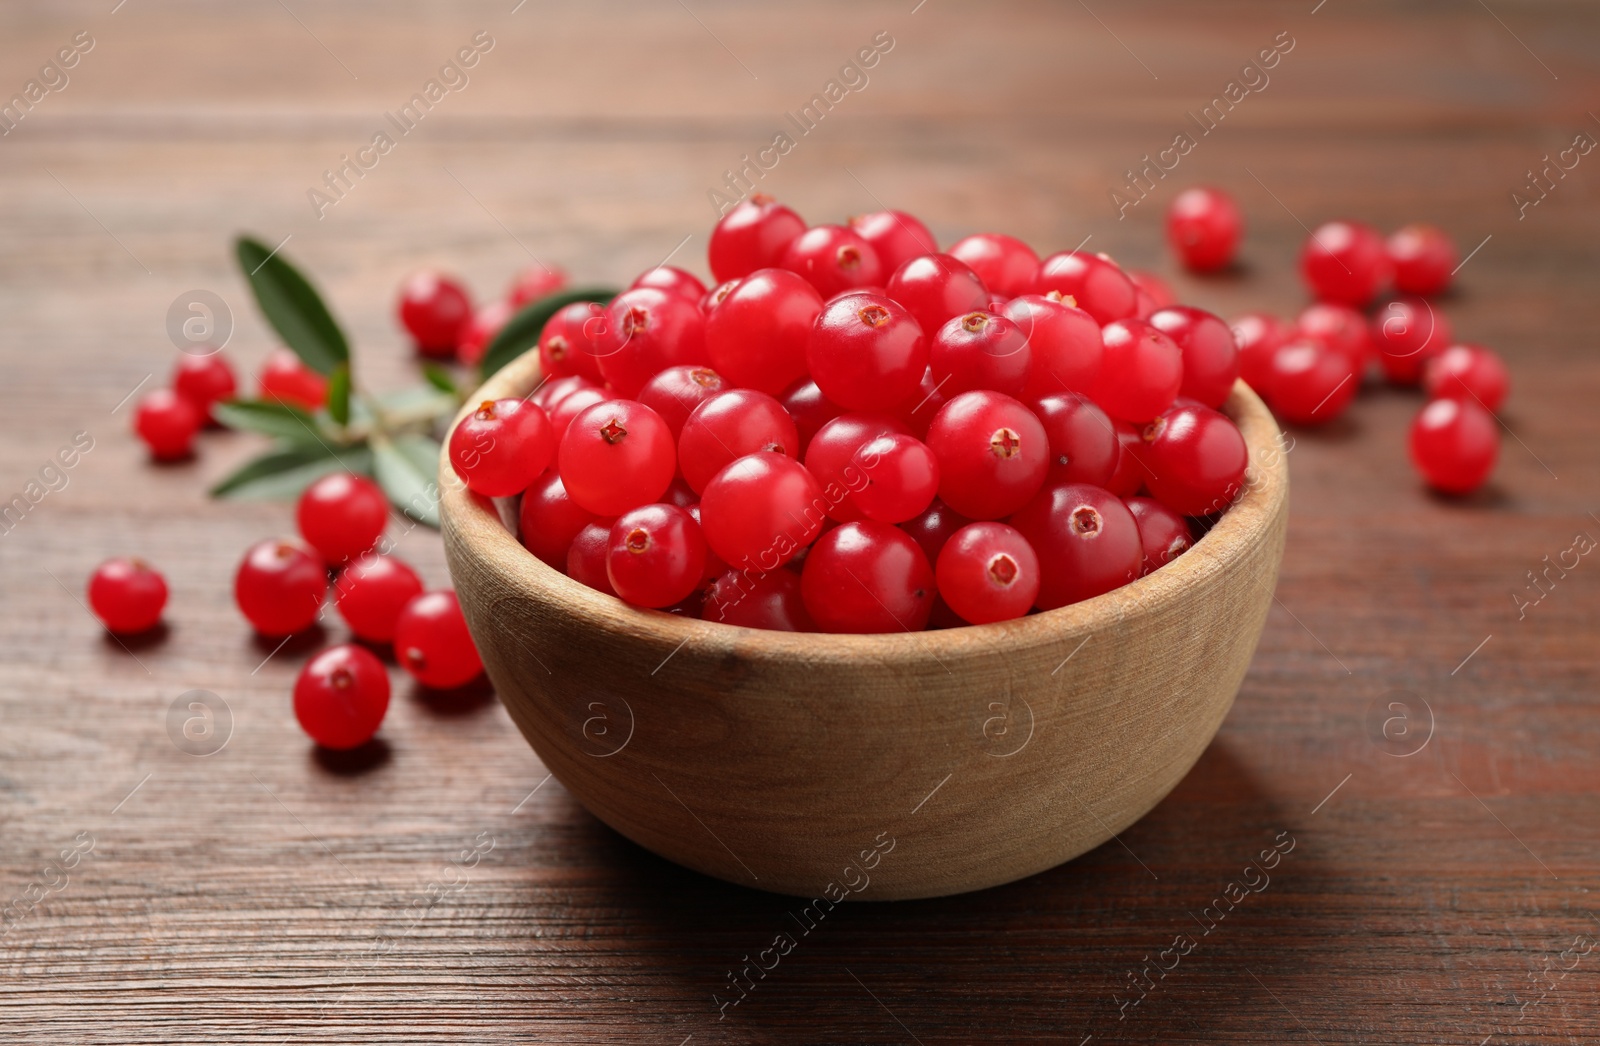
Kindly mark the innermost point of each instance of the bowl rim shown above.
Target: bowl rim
(477, 523)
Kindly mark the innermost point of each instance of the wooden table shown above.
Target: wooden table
(1446, 896)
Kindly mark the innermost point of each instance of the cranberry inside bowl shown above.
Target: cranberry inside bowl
(874, 767)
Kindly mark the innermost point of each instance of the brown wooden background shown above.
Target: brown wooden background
(244, 896)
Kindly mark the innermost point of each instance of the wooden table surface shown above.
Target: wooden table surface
(1446, 896)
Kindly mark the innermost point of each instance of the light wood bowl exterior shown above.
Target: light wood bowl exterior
(874, 767)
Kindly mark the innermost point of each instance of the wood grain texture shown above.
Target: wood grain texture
(261, 893)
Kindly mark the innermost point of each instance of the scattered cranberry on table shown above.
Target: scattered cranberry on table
(204, 380)
(371, 591)
(279, 587)
(1424, 259)
(127, 595)
(435, 309)
(1345, 263)
(284, 379)
(342, 515)
(1454, 444)
(1204, 227)
(432, 643)
(340, 696)
(167, 423)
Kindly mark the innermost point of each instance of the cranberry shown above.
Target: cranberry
(435, 309)
(370, 593)
(279, 587)
(555, 391)
(753, 235)
(1083, 441)
(1345, 263)
(1259, 336)
(204, 380)
(340, 697)
(533, 283)
(761, 511)
(1204, 227)
(616, 455)
(1093, 281)
(127, 595)
(1128, 475)
(936, 287)
(1196, 459)
(1086, 540)
(481, 330)
(571, 406)
(771, 600)
(643, 332)
(655, 555)
(810, 409)
(730, 425)
(677, 391)
(342, 515)
(549, 519)
(714, 566)
(1467, 372)
(1141, 371)
(1065, 342)
(501, 447)
(587, 556)
(868, 577)
(834, 259)
(988, 572)
(284, 379)
(896, 236)
(1210, 355)
(1338, 328)
(1311, 385)
(980, 351)
(1163, 534)
(1424, 259)
(902, 477)
(432, 643)
(566, 345)
(1154, 294)
(934, 527)
(866, 352)
(167, 423)
(835, 457)
(757, 335)
(1408, 332)
(1454, 444)
(1006, 265)
(673, 281)
(993, 454)
(923, 405)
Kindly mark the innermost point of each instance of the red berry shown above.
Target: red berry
(677, 391)
(1163, 534)
(501, 447)
(923, 405)
(1093, 281)
(1338, 328)
(1454, 444)
(1467, 372)
(933, 288)
(1259, 336)
(834, 259)
(988, 572)
(757, 334)
(993, 454)
(1210, 355)
(1310, 385)
(204, 380)
(167, 423)
(553, 391)
(1204, 227)
(810, 409)
(753, 235)
(673, 281)
(571, 406)
(1345, 263)
(587, 556)
(867, 577)
(431, 642)
(279, 587)
(1141, 371)
(434, 308)
(756, 600)
(934, 527)
(342, 515)
(370, 593)
(866, 352)
(730, 425)
(902, 477)
(655, 555)
(481, 330)
(714, 566)
(645, 331)
(1065, 343)
(1152, 291)
(549, 519)
(284, 379)
(1086, 540)
(340, 696)
(1006, 265)
(566, 345)
(834, 456)
(980, 351)
(1196, 459)
(127, 595)
(1424, 259)
(1082, 439)
(1128, 475)
(533, 283)
(617, 455)
(1408, 332)
(761, 511)
(896, 236)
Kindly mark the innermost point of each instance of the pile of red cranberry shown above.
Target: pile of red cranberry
(855, 433)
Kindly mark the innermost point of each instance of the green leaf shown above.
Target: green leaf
(287, 470)
(274, 418)
(339, 394)
(406, 467)
(522, 331)
(292, 306)
(440, 378)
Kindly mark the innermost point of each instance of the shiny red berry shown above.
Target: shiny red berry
(370, 593)
(533, 283)
(1311, 385)
(1163, 534)
(753, 235)
(834, 456)
(866, 352)
(587, 556)
(935, 287)
(753, 599)
(432, 643)
(1086, 540)
(867, 577)
(896, 236)
(284, 379)
(980, 350)
(1345, 263)
(933, 527)
(1259, 335)
(810, 409)
(1006, 265)
(1130, 471)
(655, 555)
(1424, 259)
(1152, 293)
(167, 423)
(1210, 355)
(1408, 332)
(1338, 328)
(1094, 282)
(730, 425)
(756, 336)
(1454, 444)
(1196, 459)
(340, 697)
(1064, 342)
(988, 572)
(501, 447)
(617, 455)
(1082, 438)
(643, 332)
(677, 391)
(279, 587)
(1469, 372)
(1141, 371)
(761, 511)
(127, 595)
(549, 519)
(1204, 227)
(570, 406)
(834, 259)
(566, 345)
(481, 330)
(435, 309)
(902, 477)
(342, 515)
(992, 452)
(673, 281)
(204, 380)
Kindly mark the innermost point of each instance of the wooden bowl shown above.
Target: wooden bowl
(883, 766)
